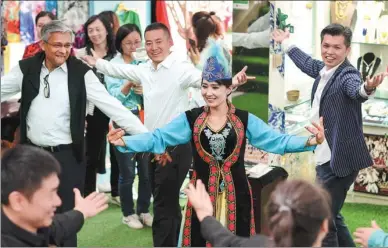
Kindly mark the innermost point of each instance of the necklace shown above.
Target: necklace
(340, 9)
(368, 67)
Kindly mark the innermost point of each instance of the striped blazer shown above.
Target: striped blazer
(340, 107)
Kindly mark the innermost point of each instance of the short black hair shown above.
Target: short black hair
(157, 26)
(23, 169)
(123, 31)
(43, 14)
(336, 29)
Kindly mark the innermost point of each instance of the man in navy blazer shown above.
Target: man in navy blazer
(337, 95)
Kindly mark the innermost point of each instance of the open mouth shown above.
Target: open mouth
(329, 58)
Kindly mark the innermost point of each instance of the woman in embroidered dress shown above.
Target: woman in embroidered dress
(218, 133)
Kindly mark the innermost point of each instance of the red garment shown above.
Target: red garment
(161, 13)
(34, 48)
(31, 50)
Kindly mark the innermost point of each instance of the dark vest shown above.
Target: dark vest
(239, 208)
(31, 69)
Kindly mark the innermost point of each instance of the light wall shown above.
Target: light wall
(143, 8)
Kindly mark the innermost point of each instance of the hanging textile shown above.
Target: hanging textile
(4, 41)
(128, 16)
(52, 6)
(159, 12)
(79, 40)
(27, 34)
(73, 13)
(12, 18)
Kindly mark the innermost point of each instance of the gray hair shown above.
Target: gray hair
(53, 27)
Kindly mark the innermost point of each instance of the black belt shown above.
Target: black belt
(57, 148)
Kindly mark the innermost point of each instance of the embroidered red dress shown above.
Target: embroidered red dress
(219, 163)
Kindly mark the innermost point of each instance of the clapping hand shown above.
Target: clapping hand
(241, 77)
(91, 205)
(115, 136)
(318, 131)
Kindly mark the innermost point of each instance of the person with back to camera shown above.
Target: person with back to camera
(298, 214)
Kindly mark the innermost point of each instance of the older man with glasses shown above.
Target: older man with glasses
(55, 89)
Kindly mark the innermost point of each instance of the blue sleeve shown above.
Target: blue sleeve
(177, 132)
(114, 85)
(378, 239)
(263, 137)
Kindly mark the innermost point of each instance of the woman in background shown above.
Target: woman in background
(100, 38)
(41, 19)
(209, 32)
(128, 39)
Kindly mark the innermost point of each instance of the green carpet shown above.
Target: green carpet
(106, 229)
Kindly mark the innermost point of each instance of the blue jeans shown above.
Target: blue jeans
(337, 187)
(127, 163)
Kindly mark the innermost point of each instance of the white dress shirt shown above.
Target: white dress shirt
(165, 89)
(322, 152)
(48, 119)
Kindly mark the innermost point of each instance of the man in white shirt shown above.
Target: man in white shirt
(337, 95)
(165, 78)
(55, 89)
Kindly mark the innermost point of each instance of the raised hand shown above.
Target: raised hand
(318, 131)
(200, 199)
(90, 60)
(115, 136)
(279, 35)
(374, 82)
(362, 235)
(91, 205)
(194, 54)
(241, 77)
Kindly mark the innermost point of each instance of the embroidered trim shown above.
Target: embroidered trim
(186, 239)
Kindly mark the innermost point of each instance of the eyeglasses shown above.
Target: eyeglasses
(136, 43)
(59, 45)
(46, 89)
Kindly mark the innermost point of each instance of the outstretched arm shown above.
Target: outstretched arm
(262, 136)
(303, 61)
(122, 71)
(177, 132)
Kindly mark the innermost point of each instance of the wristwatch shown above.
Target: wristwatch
(369, 91)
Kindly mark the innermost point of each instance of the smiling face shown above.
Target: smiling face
(130, 43)
(333, 50)
(214, 94)
(41, 22)
(57, 48)
(157, 44)
(38, 210)
(97, 32)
